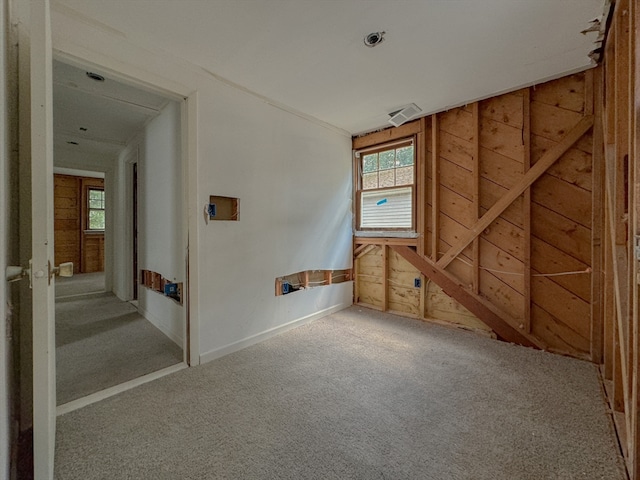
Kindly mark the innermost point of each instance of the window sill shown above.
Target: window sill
(94, 232)
(387, 234)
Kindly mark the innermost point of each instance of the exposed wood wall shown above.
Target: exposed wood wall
(504, 205)
(72, 243)
(541, 181)
(616, 162)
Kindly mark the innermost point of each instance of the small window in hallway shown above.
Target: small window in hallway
(95, 219)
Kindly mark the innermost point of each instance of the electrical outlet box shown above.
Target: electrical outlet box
(223, 208)
(170, 288)
(285, 288)
(212, 210)
(417, 282)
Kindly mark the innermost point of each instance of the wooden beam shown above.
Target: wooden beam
(634, 212)
(385, 241)
(421, 185)
(435, 187)
(476, 304)
(385, 278)
(475, 109)
(597, 216)
(366, 249)
(387, 135)
(526, 207)
(548, 159)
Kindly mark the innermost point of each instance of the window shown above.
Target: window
(95, 210)
(386, 187)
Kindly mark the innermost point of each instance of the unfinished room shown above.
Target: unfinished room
(320, 240)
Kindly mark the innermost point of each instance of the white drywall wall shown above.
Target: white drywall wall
(160, 218)
(293, 178)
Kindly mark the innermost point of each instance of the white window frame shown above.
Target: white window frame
(381, 231)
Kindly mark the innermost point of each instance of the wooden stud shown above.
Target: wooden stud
(597, 215)
(548, 159)
(526, 207)
(482, 308)
(634, 212)
(435, 187)
(475, 110)
(385, 277)
(421, 186)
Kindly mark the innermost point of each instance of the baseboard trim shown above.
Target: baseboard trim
(123, 387)
(272, 332)
(159, 324)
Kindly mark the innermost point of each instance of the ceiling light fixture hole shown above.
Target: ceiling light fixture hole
(95, 76)
(374, 38)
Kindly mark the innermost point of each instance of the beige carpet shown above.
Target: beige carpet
(101, 342)
(80, 284)
(357, 395)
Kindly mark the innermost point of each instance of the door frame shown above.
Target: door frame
(44, 347)
(189, 120)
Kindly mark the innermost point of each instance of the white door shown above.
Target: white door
(43, 296)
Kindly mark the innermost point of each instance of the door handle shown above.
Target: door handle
(65, 269)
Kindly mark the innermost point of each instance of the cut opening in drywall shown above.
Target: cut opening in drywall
(223, 208)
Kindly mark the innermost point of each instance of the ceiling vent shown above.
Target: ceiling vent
(404, 114)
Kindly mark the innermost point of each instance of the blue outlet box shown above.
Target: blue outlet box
(212, 210)
(417, 282)
(285, 288)
(171, 289)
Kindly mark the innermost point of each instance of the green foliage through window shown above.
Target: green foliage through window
(96, 217)
(388, 168)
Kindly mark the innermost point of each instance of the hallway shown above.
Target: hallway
(102, 341)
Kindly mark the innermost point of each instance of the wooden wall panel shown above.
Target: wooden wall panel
(473, 157)
(72, 243)
(67, 224)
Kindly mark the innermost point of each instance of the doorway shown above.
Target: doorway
(108, 337)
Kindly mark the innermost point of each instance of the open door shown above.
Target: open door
(42, 254)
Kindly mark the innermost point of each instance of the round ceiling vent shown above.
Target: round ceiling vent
(373, 39)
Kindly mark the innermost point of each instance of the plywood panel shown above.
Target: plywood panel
(556, 334)
(553, 123)
(456, 178)
(563, 198)
(547, 259)
(573, 167)
(441, 306)
(456, 150)
(504, 266)
(506, 109)
(562, 304)
(570, 237)
(403, 296)
(502, 296)
(566, 92)
(502, 139)
(458, 122)
(499, 169)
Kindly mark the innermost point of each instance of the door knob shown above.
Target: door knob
(63, 270)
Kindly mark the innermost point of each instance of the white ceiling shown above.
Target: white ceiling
(111, 112)
(309, 54)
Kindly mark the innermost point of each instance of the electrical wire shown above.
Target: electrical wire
(504, 272)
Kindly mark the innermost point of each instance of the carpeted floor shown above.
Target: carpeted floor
(357, 395)
(101, 342)
(79, 284)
